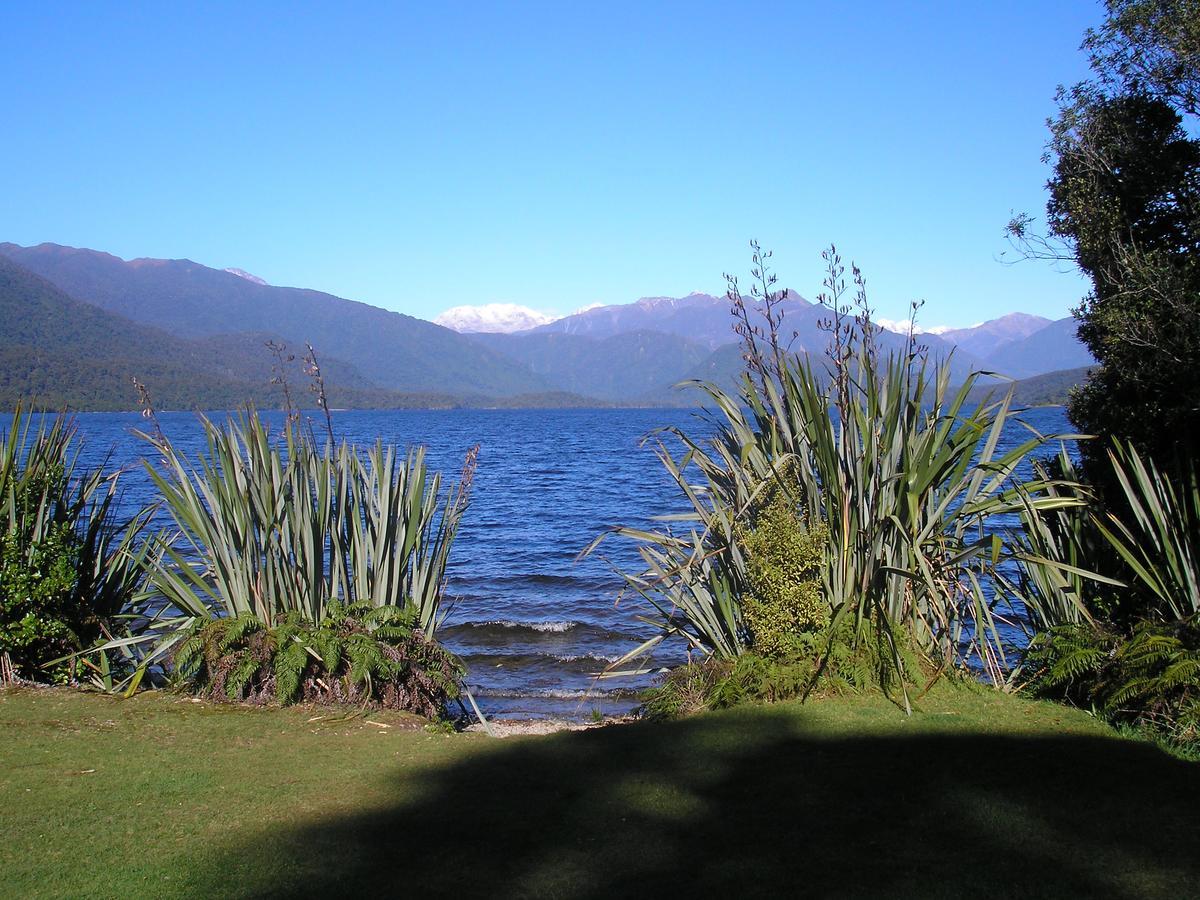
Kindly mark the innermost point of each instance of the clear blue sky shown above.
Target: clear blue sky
(428, 155)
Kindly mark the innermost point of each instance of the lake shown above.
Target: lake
(533, 624)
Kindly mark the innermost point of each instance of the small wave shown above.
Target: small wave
(558, 636)
(585, 663)
(509, 631)
(554, 627)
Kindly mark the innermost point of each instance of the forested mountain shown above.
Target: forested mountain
(1045, 389)
(1016, 344)
(632, 366)
(391, 350)
(61, 352)
(58, 352)
(637, 351)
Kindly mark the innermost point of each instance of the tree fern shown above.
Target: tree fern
(358, 653)
(366, 659)
(1151, 676)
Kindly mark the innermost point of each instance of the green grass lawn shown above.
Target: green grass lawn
(978, 794)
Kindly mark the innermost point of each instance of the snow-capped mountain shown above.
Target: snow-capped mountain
(901, 326)
(699, 317)
(493, 318)
(242, 273)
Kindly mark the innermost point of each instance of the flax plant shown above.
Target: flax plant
(1128, 648)
(909, 478)
(1071, 557)
(1157, 534)
(1056, 552)
(277, 530)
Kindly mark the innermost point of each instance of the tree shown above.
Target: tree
(1126, 196)
(1125, 203)
(1153, 44)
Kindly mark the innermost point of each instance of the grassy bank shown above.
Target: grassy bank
(978, 793)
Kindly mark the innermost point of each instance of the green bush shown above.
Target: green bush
(40, 617)
(376, 656)
(837, 659)
(68, 567)
(39, 610)
(685, 689)
(783, 565)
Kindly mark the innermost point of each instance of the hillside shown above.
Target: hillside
(1051, 349)
(988, 337)
(636, 352)
(1048, 389)
(621, 367)
(189, 300)
(63, 354)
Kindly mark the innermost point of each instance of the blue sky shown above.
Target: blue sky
(429, 155)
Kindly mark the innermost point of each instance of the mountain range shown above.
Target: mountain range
(609, 351)
(78, 325)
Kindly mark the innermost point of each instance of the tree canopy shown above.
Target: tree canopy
(1125, 200)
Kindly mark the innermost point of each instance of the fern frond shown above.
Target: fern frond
(189, 660)
(288, 665)
(238, 629)
(242, 673)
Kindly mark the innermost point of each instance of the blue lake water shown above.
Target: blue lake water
(532, 623)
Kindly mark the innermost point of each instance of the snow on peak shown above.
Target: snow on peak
(242, 273)
(501, 318)
(901, 326)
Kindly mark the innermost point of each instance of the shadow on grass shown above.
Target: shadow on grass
(748, 804)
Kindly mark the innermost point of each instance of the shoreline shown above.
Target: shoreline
(505, 728)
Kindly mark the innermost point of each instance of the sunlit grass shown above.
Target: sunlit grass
(977, 793)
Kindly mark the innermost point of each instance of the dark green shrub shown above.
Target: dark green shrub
(68, 566)
(44, 610)
(685, 689)
(1149, 678)
(40, 616)
(754, 678)
(359, 654)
